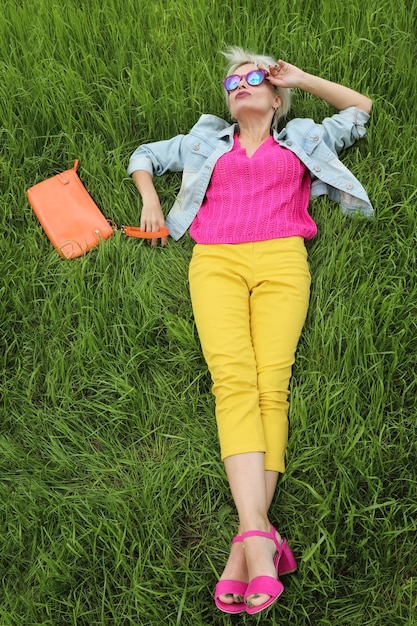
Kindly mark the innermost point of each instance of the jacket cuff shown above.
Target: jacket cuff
(140, 163)
(357, 116)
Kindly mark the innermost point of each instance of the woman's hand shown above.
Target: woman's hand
(285, 75)
(152, 218)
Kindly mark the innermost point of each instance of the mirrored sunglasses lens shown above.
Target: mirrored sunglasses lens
(255, 78)
(231, 82)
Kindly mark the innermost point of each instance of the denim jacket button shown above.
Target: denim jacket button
(289, 143)
(315, 138)
(196, 146)
(349, 186)
(317, 168)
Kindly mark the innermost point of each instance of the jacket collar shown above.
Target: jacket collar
(227, 132)
(230, 130)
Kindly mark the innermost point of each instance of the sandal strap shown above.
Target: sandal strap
(265, 585)
(235, 587)
(261, 533)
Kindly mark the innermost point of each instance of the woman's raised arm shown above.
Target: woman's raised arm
(289, 76)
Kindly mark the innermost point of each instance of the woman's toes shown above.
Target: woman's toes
(256, 600)
(227, 598)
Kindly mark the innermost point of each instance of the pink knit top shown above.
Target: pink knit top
(262, 197)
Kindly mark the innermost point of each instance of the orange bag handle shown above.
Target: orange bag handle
(135, 231)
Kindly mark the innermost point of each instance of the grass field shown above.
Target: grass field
(114, 509)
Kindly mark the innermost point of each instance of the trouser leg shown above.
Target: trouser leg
(279, 303)
(220, 298)
(250, 303)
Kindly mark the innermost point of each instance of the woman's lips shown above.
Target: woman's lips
(242, 94)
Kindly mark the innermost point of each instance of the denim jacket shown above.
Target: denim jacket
(316, 145)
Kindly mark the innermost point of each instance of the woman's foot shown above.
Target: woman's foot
(260, 553)
(235, 570)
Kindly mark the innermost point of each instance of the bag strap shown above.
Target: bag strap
(135, 231)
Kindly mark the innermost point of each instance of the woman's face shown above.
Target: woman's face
(249, 100)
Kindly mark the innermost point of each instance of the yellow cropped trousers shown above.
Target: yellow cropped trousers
(250, 302)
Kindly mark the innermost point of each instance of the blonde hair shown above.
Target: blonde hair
(238, 56)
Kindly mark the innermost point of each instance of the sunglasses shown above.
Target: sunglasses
(253, 78)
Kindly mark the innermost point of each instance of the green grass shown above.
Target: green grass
(114, 508)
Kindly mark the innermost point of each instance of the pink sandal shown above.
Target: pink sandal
(284, 563)
(231, 587)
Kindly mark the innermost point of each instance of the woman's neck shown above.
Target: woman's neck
(251, 137)
(254, 130)
(254, 134)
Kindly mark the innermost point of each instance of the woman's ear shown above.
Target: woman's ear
(277, 102)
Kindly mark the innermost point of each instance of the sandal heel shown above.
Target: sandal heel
(287, 563)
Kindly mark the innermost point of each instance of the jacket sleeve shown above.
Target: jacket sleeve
(343, 129)
(159, 157)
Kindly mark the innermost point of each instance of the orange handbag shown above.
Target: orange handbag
(71, 218)
(68, 214)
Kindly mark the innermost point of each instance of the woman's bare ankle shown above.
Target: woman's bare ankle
(236, 568)
(254, 523)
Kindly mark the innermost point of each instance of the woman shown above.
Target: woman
(245, 194)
